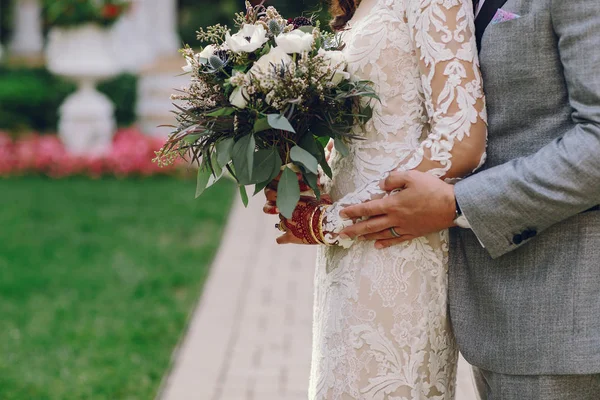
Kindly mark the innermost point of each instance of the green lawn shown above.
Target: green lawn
(97, 280)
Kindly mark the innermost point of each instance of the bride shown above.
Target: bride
(381, 329)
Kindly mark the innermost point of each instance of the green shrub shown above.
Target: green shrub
(122, 90)
(30, 98)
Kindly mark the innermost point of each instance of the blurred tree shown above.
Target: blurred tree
(5, 20)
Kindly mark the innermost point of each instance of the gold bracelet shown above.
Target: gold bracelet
(321, 219)
(310, 225)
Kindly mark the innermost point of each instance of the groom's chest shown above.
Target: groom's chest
(523, 78)
(516, 32)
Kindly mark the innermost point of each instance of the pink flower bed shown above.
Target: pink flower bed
(131, 155)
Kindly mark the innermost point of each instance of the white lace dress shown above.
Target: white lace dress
(381, 330)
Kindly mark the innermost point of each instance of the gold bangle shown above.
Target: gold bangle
(321, 218)
(310, 226)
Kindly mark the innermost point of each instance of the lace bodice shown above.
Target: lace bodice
(422, 57)
(381, 330)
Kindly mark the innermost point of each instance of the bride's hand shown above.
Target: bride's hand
(270, 206)
(301, 228)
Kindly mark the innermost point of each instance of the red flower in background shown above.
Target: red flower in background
(131, 155)
(111, 11)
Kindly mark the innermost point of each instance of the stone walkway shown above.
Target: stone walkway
(250, 336)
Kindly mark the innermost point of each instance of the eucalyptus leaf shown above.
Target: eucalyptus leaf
(312, 180)
(322, 158)
(278, 121)
(288, 193)
(243, 158)
(243, 195)
(263, 165)
(275, 172)
(202, 179)
(261, 124)
(218, 171)
(259, 187)
(341, 147)
(326, 168)
(304, 158)
(224, 149)
(308, 143)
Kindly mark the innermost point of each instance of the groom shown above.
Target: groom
(525, 262)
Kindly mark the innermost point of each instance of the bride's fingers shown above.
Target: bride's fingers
(384, 244)
(270, 208)
(288, 238)
(271, 195)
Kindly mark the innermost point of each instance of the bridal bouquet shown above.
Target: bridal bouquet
(263, 103)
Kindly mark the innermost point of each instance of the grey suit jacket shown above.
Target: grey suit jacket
(529, 302)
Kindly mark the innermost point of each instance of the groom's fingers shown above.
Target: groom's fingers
(372, 225)
(369, 209)
(381, 235)
(396, 180)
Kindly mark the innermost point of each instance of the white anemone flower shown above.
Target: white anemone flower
(295, 41)
(337, 62)
(275, 57)
(238, 97)
(208, 51)
(250, 38)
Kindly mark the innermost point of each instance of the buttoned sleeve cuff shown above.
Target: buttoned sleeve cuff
(486, 226)
(468, 225)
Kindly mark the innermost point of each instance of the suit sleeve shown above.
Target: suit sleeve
(511, 203)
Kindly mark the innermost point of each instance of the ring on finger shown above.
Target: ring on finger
(394, 233)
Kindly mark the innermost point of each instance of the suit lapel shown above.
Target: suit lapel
(489, 9)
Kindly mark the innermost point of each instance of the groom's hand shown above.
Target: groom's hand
(424, 205)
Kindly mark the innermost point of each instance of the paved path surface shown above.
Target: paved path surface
(250, 336)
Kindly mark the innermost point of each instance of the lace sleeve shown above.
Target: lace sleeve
(455, 136)
(442, 33)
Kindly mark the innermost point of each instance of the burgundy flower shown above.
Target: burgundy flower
(302, 21)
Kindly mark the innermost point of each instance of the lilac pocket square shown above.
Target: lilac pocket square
(503, 16)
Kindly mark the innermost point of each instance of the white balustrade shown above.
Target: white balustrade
(27, 39)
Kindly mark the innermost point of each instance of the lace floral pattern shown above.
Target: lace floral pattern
(381, 330)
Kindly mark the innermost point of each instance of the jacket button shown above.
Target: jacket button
(529, 233)
(517, 239)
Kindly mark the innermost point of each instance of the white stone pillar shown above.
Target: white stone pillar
(27, 39)
(1, 47)
(165, 27)
(158, 82)
(133, 39)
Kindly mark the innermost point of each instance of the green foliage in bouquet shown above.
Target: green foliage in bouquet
(77, 12)
(264, 102)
